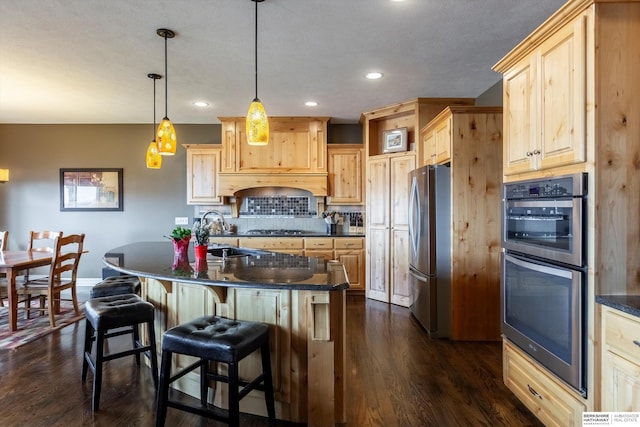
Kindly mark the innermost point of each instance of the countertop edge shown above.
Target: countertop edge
(340, 283)
(629, 304)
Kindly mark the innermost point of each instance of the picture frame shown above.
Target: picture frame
(394, 140)
(91, 189)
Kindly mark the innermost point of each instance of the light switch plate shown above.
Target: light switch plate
(182, 220)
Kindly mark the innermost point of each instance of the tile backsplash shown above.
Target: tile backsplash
(277, 206)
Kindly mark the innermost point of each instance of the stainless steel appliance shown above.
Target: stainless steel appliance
(544, 273)
(544, 218)
(430, 243)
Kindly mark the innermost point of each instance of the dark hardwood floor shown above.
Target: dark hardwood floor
(397, 376)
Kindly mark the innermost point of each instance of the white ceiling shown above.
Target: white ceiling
(86, 61)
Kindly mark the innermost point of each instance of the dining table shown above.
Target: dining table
(12, 263)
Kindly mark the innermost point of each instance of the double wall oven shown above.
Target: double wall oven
(544, 273)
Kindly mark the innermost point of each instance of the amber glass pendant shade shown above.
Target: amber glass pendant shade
(154, 159)
(166, 138)
(257, 124)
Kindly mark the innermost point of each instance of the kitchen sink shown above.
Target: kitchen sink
(231, 252)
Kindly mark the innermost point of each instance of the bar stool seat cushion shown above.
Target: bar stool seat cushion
(216, 338)
(117, 310)
(116, 285)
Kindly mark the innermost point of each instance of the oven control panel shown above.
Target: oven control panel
(557, 187)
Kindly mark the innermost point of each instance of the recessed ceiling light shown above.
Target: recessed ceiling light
(201, 103)
(374, 75)
(311, 104)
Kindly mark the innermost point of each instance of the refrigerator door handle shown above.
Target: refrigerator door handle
(414, 216)
(414, 273)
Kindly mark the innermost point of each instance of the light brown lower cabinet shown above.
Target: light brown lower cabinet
(554, 403)
(620, 375)
(348, 250)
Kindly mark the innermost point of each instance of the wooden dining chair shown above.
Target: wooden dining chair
(62, 276)
(4, 236)
(41, 241)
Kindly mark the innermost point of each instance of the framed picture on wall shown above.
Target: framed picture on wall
(394, 140)
(83, 189)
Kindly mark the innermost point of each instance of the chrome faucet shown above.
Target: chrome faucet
(223, 222)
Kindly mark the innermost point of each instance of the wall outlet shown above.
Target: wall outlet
(182, 220)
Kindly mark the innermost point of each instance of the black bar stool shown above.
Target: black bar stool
(116, 285)
(123, 313)
(216, 339)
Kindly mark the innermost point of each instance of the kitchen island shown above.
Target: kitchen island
(301, 298)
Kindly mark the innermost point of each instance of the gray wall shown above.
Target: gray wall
(491, 97)
(34, 155)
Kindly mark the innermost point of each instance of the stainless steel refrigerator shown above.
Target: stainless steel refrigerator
(430, 240)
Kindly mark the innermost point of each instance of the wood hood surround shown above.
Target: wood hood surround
(296, 156)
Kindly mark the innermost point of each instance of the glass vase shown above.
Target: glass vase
(180, 254)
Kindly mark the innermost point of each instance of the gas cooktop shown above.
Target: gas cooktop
(278, 232)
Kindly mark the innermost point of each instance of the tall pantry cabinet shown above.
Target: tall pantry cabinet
(387, 194)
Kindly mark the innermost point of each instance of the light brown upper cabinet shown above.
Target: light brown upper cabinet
(544, 102)
(345, 166)
(437, 143)
(203, 166)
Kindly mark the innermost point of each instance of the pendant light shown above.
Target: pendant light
(154, 159)
(166, 134)
(257, 121)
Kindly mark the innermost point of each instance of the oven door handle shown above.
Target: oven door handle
(531, 264)
(539, 203)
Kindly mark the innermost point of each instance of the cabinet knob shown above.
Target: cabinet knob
(536, 151)
(529, 153)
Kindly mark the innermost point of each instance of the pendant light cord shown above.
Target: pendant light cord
(154, 109)
(256, 50)
(166, 80)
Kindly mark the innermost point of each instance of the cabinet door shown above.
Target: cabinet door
(562, 91)
(296, 145)
(430, 148)
(443, 142)
(377, 259)
(354, 265)
(620, 384)
(399, 183)
(203, 166)
(399, 256)
(378, 193)
(519, 106)
(345, 175)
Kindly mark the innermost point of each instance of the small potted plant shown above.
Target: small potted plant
(201, 233)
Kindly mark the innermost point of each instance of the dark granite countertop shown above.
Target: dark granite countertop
(629, 304)
(259, 269)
